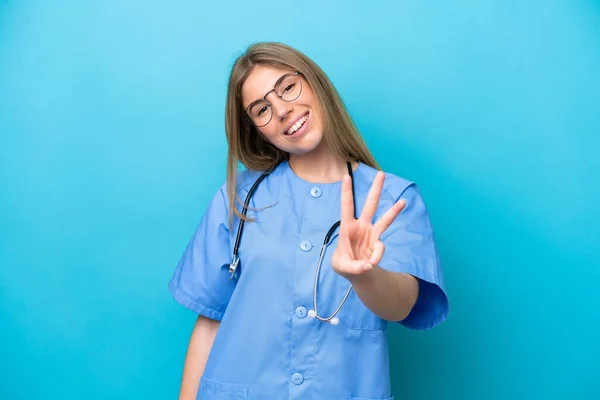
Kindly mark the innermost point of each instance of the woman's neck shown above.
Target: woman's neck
(321, 167)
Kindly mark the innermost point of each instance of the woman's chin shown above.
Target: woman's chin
(306, 146)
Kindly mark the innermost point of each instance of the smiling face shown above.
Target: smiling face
(296, 126)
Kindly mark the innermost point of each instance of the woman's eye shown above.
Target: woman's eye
(289, 88)
(262, 110)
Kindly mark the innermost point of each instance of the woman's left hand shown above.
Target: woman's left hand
(359, 246)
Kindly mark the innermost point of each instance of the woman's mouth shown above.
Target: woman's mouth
(297, 126)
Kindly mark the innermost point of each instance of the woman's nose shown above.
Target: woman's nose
(280, 108)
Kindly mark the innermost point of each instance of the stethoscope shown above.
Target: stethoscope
(236, 260)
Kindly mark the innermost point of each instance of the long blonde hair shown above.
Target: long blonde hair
(247, 145)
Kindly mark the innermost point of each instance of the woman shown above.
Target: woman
(302, 314)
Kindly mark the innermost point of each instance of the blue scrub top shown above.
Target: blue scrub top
(267, 347)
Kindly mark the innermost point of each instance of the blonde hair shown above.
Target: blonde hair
(248, 146)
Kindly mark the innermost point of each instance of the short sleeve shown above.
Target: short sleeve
(410, 248)
(201, 278)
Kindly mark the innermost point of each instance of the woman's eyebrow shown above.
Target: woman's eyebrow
(253, 103)
(273, 87)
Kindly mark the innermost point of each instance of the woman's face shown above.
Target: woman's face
(295, 126)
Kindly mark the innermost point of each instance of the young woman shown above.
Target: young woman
(296, 303)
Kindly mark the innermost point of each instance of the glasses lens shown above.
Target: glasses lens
(289, 87)
(260, 113)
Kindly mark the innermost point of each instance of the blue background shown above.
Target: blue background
(112, 143)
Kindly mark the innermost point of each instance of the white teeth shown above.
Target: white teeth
(297, 125)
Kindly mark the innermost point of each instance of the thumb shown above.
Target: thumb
(378, 249)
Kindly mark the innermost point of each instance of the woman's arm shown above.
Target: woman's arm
(199, 347)
(388, 294)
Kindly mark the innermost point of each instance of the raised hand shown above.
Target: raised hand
(359, 246)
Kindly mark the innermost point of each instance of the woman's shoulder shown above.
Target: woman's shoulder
(243, 180)
(246, 178)
(398, 187)
(395, 185)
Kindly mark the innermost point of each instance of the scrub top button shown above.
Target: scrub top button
(316, 192)
(305, 245)
(301, 312)
(297, 379)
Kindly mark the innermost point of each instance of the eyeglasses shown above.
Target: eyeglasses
(287, 88)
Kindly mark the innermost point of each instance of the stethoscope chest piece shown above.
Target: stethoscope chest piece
(233, 266)
(332, 321)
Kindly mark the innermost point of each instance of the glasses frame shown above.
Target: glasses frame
(276, 94)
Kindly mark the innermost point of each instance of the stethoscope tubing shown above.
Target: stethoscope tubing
(235, 259)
